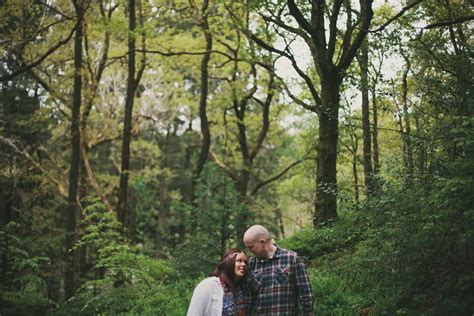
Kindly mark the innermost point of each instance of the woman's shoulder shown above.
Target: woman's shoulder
(210, 281)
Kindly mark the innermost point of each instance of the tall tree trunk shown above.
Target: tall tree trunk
(123, 209)
(279, 219)
(375, 133)
(406, 117)
(93, 77)
(326, 182)
(355, 174)
(421, 159)
(70, 282)
(363, 59)
(356, 180)
(205, 132)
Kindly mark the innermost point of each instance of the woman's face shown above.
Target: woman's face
(240, 265)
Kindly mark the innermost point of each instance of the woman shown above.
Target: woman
(222, 294)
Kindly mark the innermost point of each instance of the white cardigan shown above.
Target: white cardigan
(207, 298)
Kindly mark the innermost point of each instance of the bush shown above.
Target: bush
(121, 277)
(23, 288)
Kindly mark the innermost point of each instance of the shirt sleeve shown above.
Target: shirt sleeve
(200, 299)
(303, 285)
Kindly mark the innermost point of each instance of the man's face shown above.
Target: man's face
(256, 247)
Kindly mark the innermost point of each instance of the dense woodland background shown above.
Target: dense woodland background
(139, 139)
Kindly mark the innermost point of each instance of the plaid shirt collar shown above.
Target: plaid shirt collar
(276, 255)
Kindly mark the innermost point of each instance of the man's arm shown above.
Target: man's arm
(305, 291)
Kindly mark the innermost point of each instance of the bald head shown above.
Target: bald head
(256, 233)
(258, 240)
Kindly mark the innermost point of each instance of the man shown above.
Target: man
(280, 283)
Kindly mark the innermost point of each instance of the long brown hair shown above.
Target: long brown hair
(225, 269)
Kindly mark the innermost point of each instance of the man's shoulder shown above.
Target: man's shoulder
(287, 253)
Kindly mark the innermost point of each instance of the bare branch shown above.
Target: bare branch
(298, 101)
(92, 179)
(55, 10)
(396, 16)
(279, 175)
(450, 22)
(285, 26)
(333, 27)
(61, 186)
(366, 14)
(296, 13)
(222, 165)
(170, 53)
(300, 72)
(265, 117)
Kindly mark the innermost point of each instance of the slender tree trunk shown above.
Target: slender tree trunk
(93, 76)
(363, 59)
(406, 117)
(375, 133)
(421, 161)
(206, 134)
(326, 182)
(5, 211)
(354, 168)
(356, 180)
(123, 208)
(70, 280)
(279, 219)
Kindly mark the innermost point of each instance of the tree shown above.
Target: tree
(70, 282)
(363, 60)
(125, 214)
(332, 51)
(202, 17)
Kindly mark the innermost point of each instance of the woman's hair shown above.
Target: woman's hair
(225, 269)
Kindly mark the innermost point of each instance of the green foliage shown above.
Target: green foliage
(406, 251)
(172, 299)
(121, 276)
(212, 223)
(340, 236)
(22, 288)
(412, 254)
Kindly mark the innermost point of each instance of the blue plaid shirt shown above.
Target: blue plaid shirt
(280, 285)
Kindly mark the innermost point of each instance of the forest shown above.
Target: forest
(140, 138)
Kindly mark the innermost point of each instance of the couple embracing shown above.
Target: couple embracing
(272, 283)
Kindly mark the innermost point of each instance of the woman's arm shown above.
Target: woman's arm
(201, 299)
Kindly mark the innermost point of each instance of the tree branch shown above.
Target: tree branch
(396, 16)
(296, 13)
(333, 28)
(265, 117)
(222, 165)
(57, 11)
(169, 53)
(25, 68)
(281, 24)
(300, 72)
(450, 22)
(92, 179)
(61, 187)
(53, 93)
(366, 14)
(279, 175)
